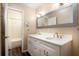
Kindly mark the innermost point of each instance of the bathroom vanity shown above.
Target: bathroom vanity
(43, 45)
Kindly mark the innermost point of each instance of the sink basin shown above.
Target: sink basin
(50, 38)
(60, 38)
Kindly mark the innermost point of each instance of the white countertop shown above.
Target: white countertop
(56, 41)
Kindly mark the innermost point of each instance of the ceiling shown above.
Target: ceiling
(33, 5)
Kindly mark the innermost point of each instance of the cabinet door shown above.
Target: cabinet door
(42, 50)
(36, 50)
(51, 52)
(48, 51)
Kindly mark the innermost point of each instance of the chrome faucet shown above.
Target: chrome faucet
(56, 35)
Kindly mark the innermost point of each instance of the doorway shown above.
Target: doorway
(14, 26)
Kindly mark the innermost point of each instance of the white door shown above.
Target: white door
(13, 27)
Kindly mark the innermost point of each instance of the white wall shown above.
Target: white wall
(30, 20)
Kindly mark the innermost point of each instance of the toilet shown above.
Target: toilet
(13, 43)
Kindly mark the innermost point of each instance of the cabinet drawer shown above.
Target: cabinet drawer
(34, 40)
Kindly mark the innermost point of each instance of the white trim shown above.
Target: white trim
(6, 30)
(23, 23)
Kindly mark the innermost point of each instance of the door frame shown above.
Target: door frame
(3, 29)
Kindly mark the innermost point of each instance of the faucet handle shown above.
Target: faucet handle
(60, 36)
(56, 35)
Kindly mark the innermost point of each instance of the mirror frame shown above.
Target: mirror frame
(75, 22)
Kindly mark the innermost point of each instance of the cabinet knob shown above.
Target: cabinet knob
(47, 54)
(44, 52)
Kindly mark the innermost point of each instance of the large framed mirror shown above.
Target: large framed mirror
(64, 16)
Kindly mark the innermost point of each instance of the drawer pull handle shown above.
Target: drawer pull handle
(47, 54)
(44, 52)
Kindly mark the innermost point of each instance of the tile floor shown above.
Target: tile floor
(17, 52)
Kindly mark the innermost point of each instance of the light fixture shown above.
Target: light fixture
(38, 15)
(67, 3)
(61, 4)
(56, 4)
(42, 13)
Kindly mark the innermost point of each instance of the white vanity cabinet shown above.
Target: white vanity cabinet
(37, 47)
